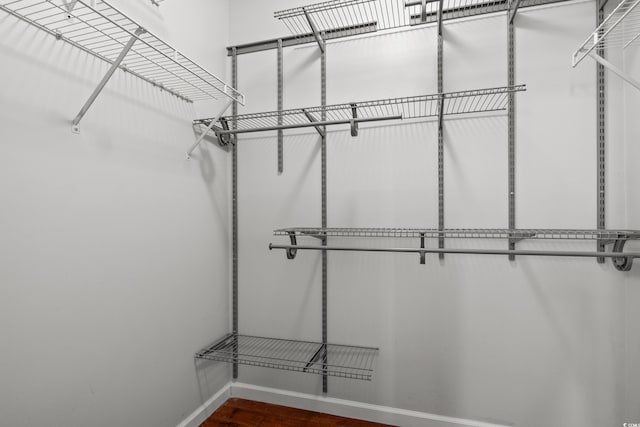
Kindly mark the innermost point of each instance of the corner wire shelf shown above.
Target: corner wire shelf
(619, 30)
(100, 29)
(622, 261)
(292, 355)
(343, 18)
(412, 107)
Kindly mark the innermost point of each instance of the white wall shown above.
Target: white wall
(114, 248)
(532, 342)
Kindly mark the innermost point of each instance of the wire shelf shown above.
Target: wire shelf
(541, 234)
(103, 31)
(291, 355)
(620, 29)
(462, 102)
(341, 18)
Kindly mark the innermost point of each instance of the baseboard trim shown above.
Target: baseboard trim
(351, 409)
(205, 410)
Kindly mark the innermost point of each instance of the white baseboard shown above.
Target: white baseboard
(351, 409)
(205, 410)
(328, 405)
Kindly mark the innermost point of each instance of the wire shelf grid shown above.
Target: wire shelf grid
(620, 29)
(293, 355)
(103, 31)
(541, 234)
(340, 18)
(462, 102)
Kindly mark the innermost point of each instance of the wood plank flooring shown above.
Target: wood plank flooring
(246, 413)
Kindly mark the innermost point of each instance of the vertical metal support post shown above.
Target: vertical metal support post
(234, 211)
(601, 106)
(440, 133)
(323, 101)
(280, 106)
(511, 76)
(105, 80)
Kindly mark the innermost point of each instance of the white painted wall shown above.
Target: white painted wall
(114, 248)
(532, 342)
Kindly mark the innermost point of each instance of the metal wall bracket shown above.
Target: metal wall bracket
(114, 66)
(620, 73)
(291, 252)
(354, 123)
(514, 9)
(423, 259)
(623, 263)
(224, 139)
(211, 125)
(312, 119)
(314, 29)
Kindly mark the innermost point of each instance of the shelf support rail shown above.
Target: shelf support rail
(114, 66)
(209, 127)
(621, 261)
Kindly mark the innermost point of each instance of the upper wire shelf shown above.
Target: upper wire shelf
(340, 18)
(292, 355)
(102, 30)
(620, 29)
(453, 103)
(486, 233)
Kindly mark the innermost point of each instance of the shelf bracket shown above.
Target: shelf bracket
(354, 123)
(615, 70)
(224, 139)
(320, 354)
(514, 10)
(313, 120)
(423, 259)
(114, 66)
(291, 252)
(314, 29)
(70, 5)
(213, 122)
(622, 263)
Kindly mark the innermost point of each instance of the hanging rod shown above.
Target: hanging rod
(622, 259)
(310, 124)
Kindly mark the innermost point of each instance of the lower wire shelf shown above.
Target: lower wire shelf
(291, 355)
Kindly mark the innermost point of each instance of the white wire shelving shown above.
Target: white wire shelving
(342, 18)
(616, 238)
(293, 355)
(100, 29)
(619, 30)
(412, 107)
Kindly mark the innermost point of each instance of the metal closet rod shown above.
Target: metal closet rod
(463, 251)
(310, 124)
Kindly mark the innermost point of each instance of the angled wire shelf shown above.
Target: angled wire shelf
(292, 355)
(342, 18)
(453, 103)
(102, 30)
(620, 29)
(483, 233)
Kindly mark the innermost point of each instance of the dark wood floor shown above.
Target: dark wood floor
(247, 413)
